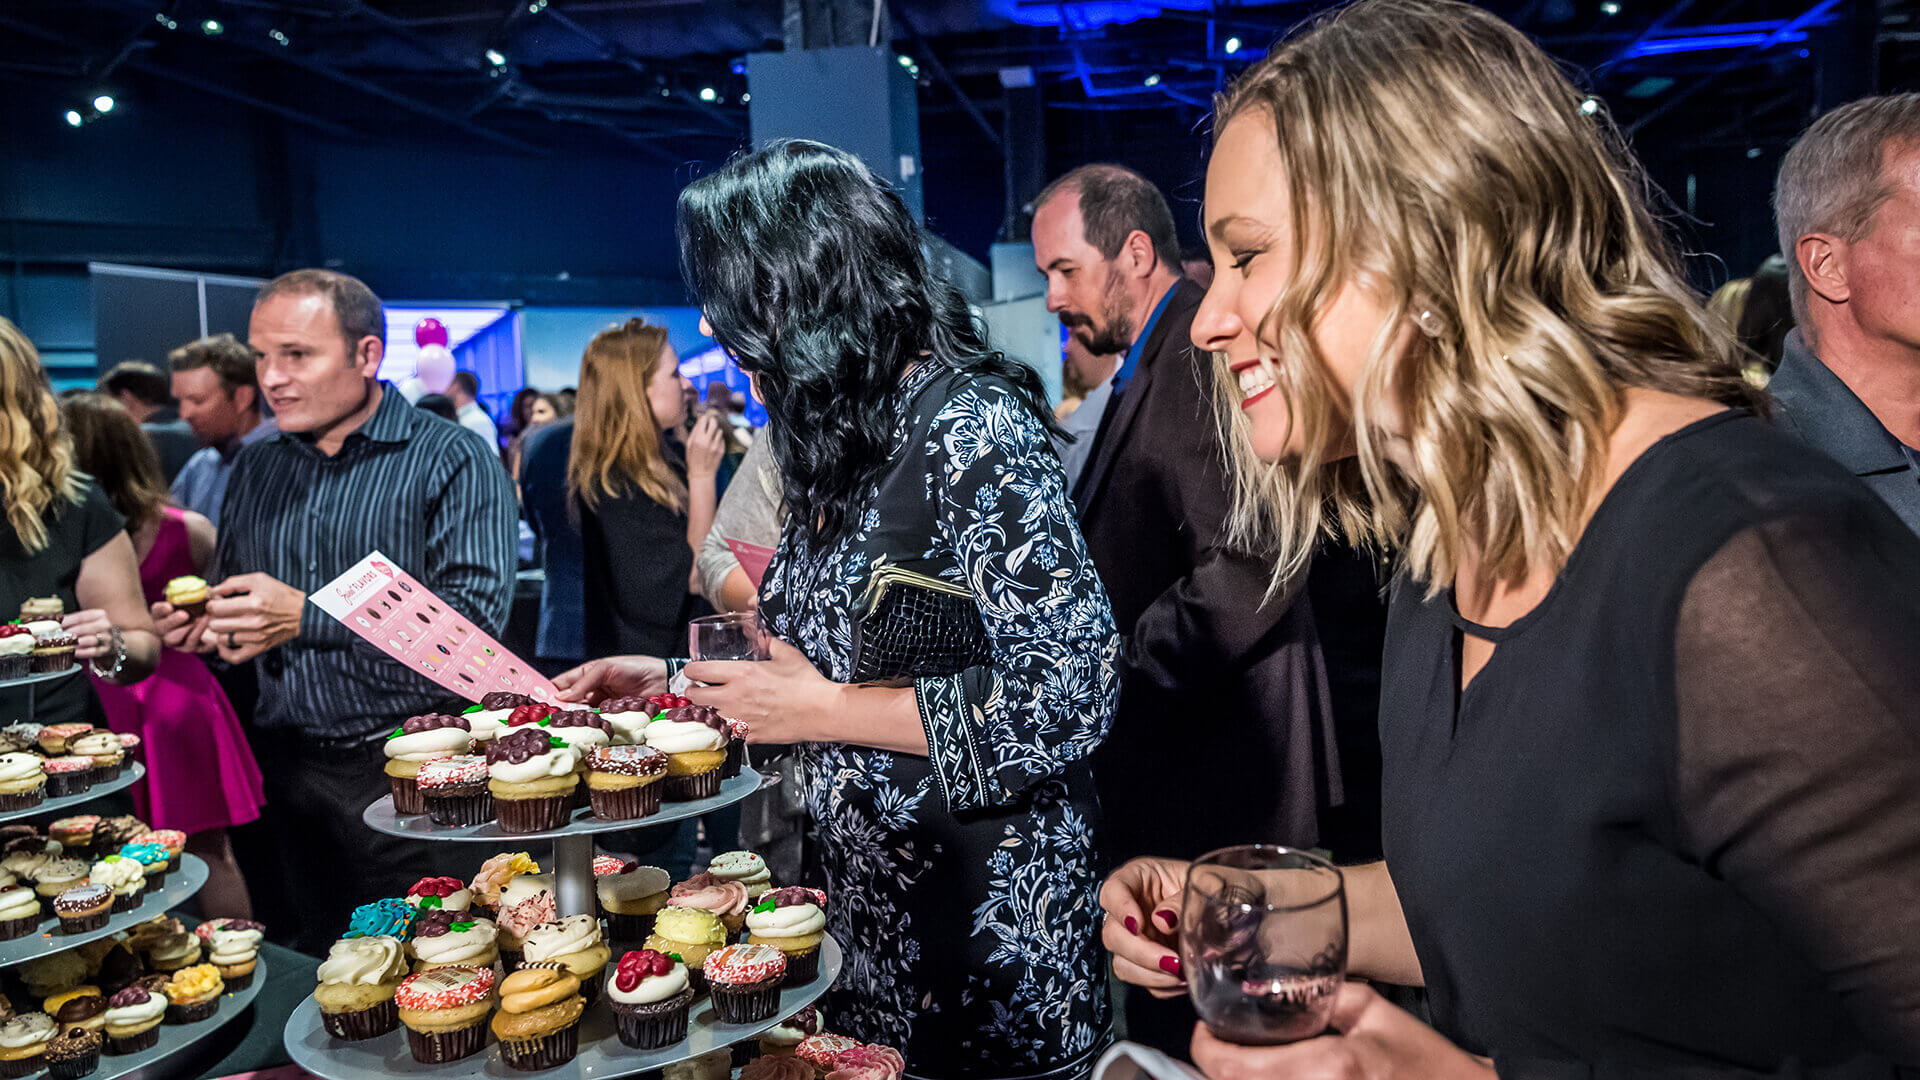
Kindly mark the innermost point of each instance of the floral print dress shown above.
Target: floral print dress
(962, 885)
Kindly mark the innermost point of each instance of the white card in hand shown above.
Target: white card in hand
(1131, 1061)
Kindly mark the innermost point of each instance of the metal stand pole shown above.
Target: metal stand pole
(573, 875)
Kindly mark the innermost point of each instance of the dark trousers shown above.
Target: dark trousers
(327, 860)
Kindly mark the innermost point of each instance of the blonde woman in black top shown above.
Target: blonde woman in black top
(1650, 714)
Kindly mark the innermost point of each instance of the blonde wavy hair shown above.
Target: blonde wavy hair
(1434, 151)
(615, 439)
(36, 454)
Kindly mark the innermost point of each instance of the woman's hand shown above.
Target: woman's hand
(612, 677)
(90, 629)
(1142, 902)
(705, 448)
(1372, 1040)
(179, 631)
(781, 700)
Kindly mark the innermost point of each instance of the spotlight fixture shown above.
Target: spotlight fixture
(739, 67)
(212, 27)
(744, 98)
(1609, 8)
(1152, 80)
(708, 93)
(1753, 152)
(74, 119)
(1233, 45)
(905, 60)
(496, 58)
(103, 103)
(279, 37)
(664, 92)
(165, 20)
(1590, 106)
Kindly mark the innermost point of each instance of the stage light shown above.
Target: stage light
(1753, 152)
(278, 36)
(212, 27)
(744, 98)
(739, 68)
(664, 92)
(1153, 79)
(1609, 8)
(74, 119)
(496, 58)
(1233, 45)
(1590, 106)
(103, 103)
(905, 60)
(708, 93)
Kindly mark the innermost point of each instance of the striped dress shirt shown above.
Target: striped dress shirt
(429, 494)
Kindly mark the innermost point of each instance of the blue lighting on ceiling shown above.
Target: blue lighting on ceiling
(1710, 42)
(1086, 14)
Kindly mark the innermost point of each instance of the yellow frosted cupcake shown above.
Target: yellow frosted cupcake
(188, 594)
(690, 934)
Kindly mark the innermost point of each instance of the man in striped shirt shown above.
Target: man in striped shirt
(354, 469)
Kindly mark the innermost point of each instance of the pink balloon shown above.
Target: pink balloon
(429, 331)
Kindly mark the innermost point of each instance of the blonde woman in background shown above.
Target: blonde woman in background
(63, 539)
(1652, 755)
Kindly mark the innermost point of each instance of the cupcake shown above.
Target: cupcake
(440, 893)
(745, 982)
(454, 790)
(23, 1044)
(83, 907)
(173, 840)
(607, 864)
(55, 737)
(744, 867)
(781, 1039)
(868, 1063)
(143, 936)
(38, 608)
(419, 740)
(75, 834)
(73, 1053)
(726, 899)
(650, 994)
(525, 887)
(235, 951)
(194, 994)
(737, 731)
(382, 918)
(188, 594)
(56, 876)
(630, 897)
(538, 1024)
(83, 1008)
(690, 934)
(493, 876)
(103, 747)
(68, 775)
(531, 775)
(793, 920)
(574, 943)
(357, 984)
(628, 717)
(125, 877)
(133, 1020)
(174, 952)
(153, 858)
(623, 781)
(53, 651)
(517, 921)
(19, 912)
(205, 930)
(820, 1050)
(712, 1065)
(23, 783)
(52, 974)
(583, 729)
(695, 740)
(445, 1011)
(778, 1068)
(114, 833)
(487, 721)
(16, 653)
(444, 938)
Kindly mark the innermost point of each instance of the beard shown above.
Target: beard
(1113, 331)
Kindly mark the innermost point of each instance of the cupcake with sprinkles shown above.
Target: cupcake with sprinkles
(650, 995)
(83, 907)
(68, 776)
(173, 840)
(624, 782)
(520, 919)
(745, 982)
(445, 1012)
(153, 858)
(820, 1050)
(454, 791)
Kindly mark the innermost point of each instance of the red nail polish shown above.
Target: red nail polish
(1133, 927)
(1166, 916)
(1171, 965)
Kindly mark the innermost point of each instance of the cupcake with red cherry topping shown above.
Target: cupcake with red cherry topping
(650, 996)
(531, 776)
(793, 920)
(624, 782)
(454, 791)
(583, 729)
(440, 893)
(745, 982)
(414, 743)
(445, 1011)
(695, 740)
(488, 720)
(532, 713)
(16, 651)
(820, 1050)
(628, 717)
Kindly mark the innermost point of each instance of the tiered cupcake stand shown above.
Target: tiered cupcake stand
(189, 878)
(602, 1056)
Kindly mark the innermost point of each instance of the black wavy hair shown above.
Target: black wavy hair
(814, 277)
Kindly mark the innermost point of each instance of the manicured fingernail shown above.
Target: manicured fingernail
(1171, 965)
(1166, 916)
(1133, 927)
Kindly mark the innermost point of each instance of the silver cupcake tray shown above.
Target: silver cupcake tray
(38, 677)
(47, 940)
(177, 1037)
(129, 776)
(381, 818)
(601, 1056)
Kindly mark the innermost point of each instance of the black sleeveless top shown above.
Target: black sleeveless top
(1672, 827)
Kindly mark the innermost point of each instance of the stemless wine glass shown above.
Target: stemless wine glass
(737, 635)
(1263, 942)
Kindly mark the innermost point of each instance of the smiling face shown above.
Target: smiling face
(1249, 221)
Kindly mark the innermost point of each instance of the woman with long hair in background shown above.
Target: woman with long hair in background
(1651, 798)
(201, 776)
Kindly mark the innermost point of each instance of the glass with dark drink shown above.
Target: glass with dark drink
(1263, 943)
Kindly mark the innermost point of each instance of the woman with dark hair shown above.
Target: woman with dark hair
(952, 664)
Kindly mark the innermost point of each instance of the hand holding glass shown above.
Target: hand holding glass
(737, 635)
(1263, 943)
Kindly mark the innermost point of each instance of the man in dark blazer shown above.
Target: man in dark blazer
(1225, 731)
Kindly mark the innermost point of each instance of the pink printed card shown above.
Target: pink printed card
(753, 558)
(388, 607)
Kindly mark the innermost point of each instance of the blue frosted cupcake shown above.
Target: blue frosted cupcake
(382, 918)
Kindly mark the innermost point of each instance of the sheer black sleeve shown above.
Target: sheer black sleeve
(1797, 754)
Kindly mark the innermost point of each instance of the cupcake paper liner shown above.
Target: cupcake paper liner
(192, 1014)
(552, 1051)
(74, 1068)
(133, 1044)
(590, 987)
(25, 800)
(25, 1066)
(656, 1029)
(15, 667)
(746, 1004)
(406, 795)
(736, 755)
(363, 1023)
(744, 1052)
(60, 785)
(627, 927)
(803, 967)
(456, 811)
(531, 815)
(237, 982)
(688, 788)
(193, 610)
(80, 924)
(634, 802)
(105, 773)
(18, 928)
(60, 661)
(125, 902)
(439, 1047)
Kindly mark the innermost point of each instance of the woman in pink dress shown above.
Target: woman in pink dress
(201, 776)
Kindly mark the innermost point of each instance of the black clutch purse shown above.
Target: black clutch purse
(914, 624)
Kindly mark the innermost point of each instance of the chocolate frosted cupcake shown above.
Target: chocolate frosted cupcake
(133, 1020)
(745, 982)
(623, 782)
(531, 775)
(650, 996)
(73, 1053)
(538, 1024)
(114, 833)
(414, 743)
(454, 790)
(82, 1008)
(695, 739)
(81, 908)
(445, 1011)
(583, 729)
(444, 938)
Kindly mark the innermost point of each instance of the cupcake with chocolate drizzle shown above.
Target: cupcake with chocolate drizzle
(695, 739)
(487, 721)
(531, 775)
(417, 741)
(443, 938)
(628, 717)
(584, 730)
